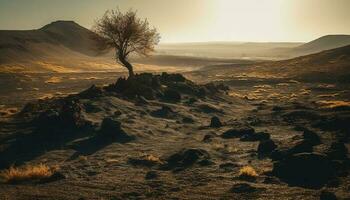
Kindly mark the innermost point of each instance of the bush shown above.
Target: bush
(247, 172)
(27, 173)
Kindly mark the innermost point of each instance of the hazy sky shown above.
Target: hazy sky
(196, 20)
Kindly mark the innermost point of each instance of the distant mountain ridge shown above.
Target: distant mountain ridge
(324, 43)
(66, 33)
(67, 46)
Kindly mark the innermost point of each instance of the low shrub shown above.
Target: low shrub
(27, 173)
(247, 172)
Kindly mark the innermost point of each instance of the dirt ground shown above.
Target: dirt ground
(123, 170)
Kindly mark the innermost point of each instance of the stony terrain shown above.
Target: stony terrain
(166, 137)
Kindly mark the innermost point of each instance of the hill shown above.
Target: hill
(59, 46)
(325, 43)
(329, 65)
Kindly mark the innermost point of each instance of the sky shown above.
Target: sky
(196, 20)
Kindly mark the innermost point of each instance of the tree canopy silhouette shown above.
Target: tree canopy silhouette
(127, 34)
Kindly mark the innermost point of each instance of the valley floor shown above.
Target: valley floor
(135, 169)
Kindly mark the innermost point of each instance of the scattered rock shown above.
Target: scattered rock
(66, 114)
(215, 122)
(111, 129)
(303, 146)
(309, 170)
(164, 112)
(237, 132)
(312, 137)
(186, 158)
(334, 123)
(255, 137)
(266, 147)
(171, 95)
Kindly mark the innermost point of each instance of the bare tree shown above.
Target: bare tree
(127, 34)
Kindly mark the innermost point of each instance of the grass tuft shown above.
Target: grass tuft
(29, 172)
(247, 172)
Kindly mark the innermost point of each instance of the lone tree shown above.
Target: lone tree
(127, 34)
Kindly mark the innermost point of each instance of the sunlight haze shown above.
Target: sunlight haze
(196, 20)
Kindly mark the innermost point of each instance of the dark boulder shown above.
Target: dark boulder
(312, 137)
(144, 84)
(186, 158)
(238, 132)
(334, 123)
(65, 114)
(309, 170)
(111, 130)
(255, 137)
(303, 146)
(215, 122)
(265, 147)
(170, 78)
(164, 112)
(171, 95)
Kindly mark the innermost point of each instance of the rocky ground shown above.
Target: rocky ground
(165, 137)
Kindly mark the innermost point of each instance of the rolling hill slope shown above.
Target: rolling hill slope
(330, 65)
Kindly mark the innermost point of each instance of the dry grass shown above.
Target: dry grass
(153, 158)
(334, 104)
(247, 172)
(29, 172)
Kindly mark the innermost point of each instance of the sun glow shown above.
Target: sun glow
(245, 20)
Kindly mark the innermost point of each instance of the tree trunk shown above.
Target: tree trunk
(127, 65)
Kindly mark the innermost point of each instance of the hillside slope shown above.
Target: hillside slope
(329, 65)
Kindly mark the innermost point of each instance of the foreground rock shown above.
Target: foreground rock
(305, 169)
(186, 158)
(166, 87)
(238, 132)
(111, 130)
(215, 122)
(266, 147)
